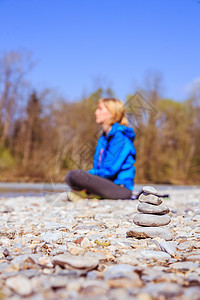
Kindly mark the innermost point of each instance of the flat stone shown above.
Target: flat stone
(75, 250)
(20, 285)
(167, 247)
(49, 237)
(184, 246)
(6, 252)
(150, 275)
(147, 208)
(197, 229)
(196, 218)
(72, 274)
(151, 220)
(149, 190)
(192, 293)
(98, 255)
(78, 262)
(152, 199)
(194, 257)
(29, 273)
(57, 282)
(22, 258)
(150, 232)
(126, 259)
(85, 243)
(124, 284)
(157, 255)
(59, 250)
(17, 246)
(184, 266)
(118, 271)
(94, 288)
(163, 289)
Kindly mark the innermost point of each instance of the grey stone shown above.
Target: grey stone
(98, 255)
(118, 271)
(96, 286)
(59, 250)
(167, 247)
(49, 237)
(20, 284)
(21, 258)
(147, 208)
(192, 293)
(78, 262)
(152, 199)
(194, 257)
(17, 245)
(197, 229)
(57, 282)
(151, 220)
(184, 246)
(92, 275)
(29, 273)
(157, 255)
(149, 190)
(184, 266)
(164, 289)
(6, 252)
(3, 266)
(6, 209)
(150, 232)
(127, 259)
(150, 275)
(193, 278)
(72, 274)
(196, 218)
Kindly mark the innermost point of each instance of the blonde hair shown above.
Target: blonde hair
(117, 109)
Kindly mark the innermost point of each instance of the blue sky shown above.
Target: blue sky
(81, 44)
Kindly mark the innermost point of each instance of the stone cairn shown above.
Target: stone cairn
(153, 215)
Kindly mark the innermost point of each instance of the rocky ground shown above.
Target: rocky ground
(64, 250)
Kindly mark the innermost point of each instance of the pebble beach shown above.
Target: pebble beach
(51, 248)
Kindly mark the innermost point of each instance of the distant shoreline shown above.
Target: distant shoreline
(15, 189)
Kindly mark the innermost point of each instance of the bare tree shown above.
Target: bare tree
(13, 68)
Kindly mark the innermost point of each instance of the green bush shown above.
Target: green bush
(6, 159)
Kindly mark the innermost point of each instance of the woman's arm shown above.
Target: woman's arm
(119, 149)
(96, 157)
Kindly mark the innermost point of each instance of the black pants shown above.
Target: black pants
(82, 180)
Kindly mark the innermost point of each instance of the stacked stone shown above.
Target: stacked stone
(153, 214)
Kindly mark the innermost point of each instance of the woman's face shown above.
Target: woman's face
(102, 114)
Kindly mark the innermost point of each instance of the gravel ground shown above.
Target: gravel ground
(54, 249)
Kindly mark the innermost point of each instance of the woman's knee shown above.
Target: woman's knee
(71, 177)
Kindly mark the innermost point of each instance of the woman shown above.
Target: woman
(113, 172)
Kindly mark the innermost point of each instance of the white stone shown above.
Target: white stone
(126, 259)
(20, 285)
(151, 199)
(158, 255)
(150, 232)
(151, 220)
(75, 250)
(85, 243)
(149, 190)
(49, 237)
(78, 262)
(147, 208)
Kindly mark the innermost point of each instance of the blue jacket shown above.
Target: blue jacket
(115, 155)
